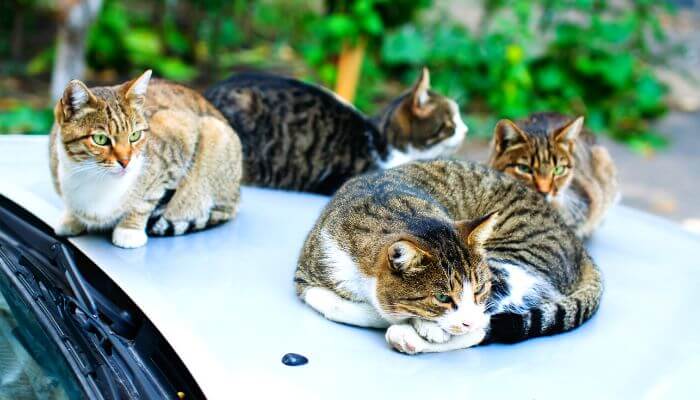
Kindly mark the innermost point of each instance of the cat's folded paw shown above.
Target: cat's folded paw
(430, 331)
(404, 339)
(129, 238)
(70, 226)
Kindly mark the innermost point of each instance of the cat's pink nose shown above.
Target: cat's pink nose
(123, 162)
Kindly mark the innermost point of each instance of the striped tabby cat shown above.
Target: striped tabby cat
(447, 255)
(553, 154)
(142, 158)
(299, 136)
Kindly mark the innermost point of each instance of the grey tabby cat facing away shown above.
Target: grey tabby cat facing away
(554, 155)
(447, 255)
(298, 136)
(142, 158)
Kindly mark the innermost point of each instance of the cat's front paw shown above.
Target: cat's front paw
(405, 339)
(430, 331)
(69, 226)
(129, 238)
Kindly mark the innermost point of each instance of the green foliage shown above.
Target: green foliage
(125, 41)
(22, 118)
(589, 57)
(597, 64)
(345, 22)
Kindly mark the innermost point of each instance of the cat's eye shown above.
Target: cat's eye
(136, 135)
(443, 298)
(522, 168)
(100, 139)
(559, 170)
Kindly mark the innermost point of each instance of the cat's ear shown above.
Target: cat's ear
(405, 256)
(77, 100)
(507, 133)
(477, 231)
(420, 95)
(570, 132)
(135, 90)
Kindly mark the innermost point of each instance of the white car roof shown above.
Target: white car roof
(224, 299)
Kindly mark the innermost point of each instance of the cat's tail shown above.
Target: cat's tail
(552, 317)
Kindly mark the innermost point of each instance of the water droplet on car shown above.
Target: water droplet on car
(293, 359)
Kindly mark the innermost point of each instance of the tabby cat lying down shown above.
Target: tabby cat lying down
(447, 255)
(553, 154)
(299, 136)
(138, 157)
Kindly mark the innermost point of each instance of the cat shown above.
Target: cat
(302, 137)
(554, 155)
(142, 158)
(446, 254)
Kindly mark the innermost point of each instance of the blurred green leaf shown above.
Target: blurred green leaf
(650, 92)
(229, 34)
(340, 26)
(452, 43)
(406, 45)
(25, 119)
(143, 45)
(176, 41)
(372, 24)
(550, 78)
(41, 63)
(173, 68)
(617, 69)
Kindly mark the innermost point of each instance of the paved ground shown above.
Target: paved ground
(666, 183)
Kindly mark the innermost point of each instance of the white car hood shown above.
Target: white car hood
(224, 299)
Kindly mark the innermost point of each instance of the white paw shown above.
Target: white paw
(69, 226)
(160, 226)
(180, 227)
(404, 339)
(129, 238)
(430, 331)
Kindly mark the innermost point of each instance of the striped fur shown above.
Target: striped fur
(299, 136)
(586, 189)
(454, 227)
(551, 317)
(180, 174)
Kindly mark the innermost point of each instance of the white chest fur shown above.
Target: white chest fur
(93, 192)
(344, 271)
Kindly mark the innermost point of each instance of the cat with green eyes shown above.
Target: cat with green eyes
(142, 158)
(554, 155)
(446, 255)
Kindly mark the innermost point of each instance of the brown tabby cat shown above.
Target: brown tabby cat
(447, 255)
(299, 136)
(142, 158)
(554, 155)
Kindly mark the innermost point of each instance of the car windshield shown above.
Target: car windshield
(31, 365)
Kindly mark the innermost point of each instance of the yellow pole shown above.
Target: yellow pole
(349, 67)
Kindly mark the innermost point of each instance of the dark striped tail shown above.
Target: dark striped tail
(553, 317)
